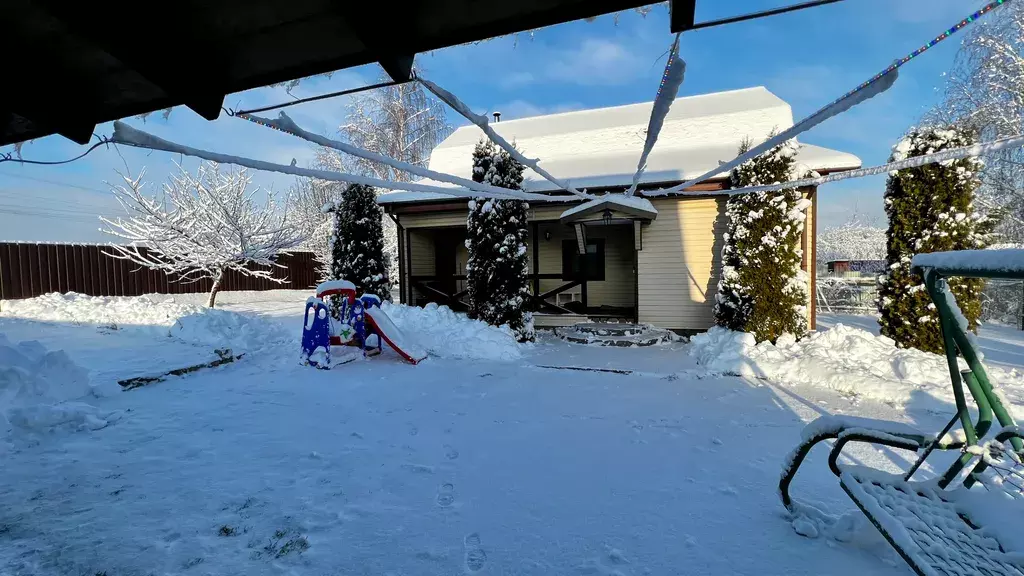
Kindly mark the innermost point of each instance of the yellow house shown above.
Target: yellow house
(653, 260)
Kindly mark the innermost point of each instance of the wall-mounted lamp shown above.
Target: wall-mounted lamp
(606, 216)
(547, 234)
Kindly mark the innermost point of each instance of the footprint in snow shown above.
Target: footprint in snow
(475, 555)
(446, 495)
(450, 452)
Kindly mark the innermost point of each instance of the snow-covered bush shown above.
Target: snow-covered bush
(930, 209)
(497, 270)
(357, 243)
(201, 226)
(763, 291)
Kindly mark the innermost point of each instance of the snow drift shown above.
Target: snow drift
(448, 334)
(153, 316)
(42, 391)
(845, 359)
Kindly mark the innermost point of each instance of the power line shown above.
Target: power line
(54, 182)
(10, 157)
(320, 97)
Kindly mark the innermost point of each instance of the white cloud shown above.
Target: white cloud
(517, 80)
(523, 109)
(596, 62)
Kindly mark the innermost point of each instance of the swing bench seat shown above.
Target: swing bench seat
(931, 528)
(949, 525)
(927, 526)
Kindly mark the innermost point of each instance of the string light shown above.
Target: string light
(959, 26)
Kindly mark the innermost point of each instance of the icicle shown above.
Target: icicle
(125, 134)
(671, 80)
(481, 122)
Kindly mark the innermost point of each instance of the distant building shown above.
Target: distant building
(856, 267)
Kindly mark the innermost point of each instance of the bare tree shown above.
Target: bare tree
(401, 122)
(306, 202)
(985, 92)
(201, 226)
(855, 239)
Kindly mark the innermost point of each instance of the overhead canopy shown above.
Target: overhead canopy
(73, 65)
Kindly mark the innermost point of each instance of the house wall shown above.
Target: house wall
(681, 261)
(678, 266)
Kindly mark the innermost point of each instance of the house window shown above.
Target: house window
(576, 266)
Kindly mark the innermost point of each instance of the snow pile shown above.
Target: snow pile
(845, 359)
(448, 334)
(42, 391)
(153, 316)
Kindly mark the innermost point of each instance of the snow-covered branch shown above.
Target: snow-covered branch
(675, 70)
(286, 124)
(481, 121)
(972, 151)
(202, 226)
(834, 109)
(125, 134)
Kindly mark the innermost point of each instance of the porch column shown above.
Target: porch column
(536, 258)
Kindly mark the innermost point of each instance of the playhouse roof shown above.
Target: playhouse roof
(599, 148)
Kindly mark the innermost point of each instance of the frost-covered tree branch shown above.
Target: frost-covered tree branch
(854, 239)
(985, 93)
(201, 226)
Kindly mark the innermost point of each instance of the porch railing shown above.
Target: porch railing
(455, 299)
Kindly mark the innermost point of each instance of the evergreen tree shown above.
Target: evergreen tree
(357, 243)
(763, 290)
(930, 209)
(496, 234)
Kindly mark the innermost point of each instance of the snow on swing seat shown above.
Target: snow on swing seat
(932, 528)
(979, 262)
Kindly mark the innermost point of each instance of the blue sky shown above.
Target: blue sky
(807, 58)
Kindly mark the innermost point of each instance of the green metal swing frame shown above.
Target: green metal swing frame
(990, 409)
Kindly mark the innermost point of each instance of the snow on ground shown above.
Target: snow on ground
(42, 390)
(454, 466)
(847, 359)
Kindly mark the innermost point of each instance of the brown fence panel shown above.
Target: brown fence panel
(28, 270)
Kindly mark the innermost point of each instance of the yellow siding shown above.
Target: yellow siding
(434, 219)
(421, 250)
(680, 263)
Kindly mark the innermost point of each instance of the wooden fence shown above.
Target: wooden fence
(28, 270)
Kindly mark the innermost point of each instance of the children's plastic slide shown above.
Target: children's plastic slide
(383, 326)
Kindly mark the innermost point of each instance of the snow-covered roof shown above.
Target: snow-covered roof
(600, 147)
(631, 205)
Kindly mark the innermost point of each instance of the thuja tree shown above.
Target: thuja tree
(497, 270)
(763, 290)
(930, 209)
(357, 242)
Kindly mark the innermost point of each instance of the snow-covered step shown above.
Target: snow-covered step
(606, 334)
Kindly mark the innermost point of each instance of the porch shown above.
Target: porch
(579, 271)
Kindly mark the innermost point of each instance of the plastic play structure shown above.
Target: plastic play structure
(935, 524)
(359, 322)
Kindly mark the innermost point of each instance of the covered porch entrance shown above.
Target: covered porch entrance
(582, 267)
